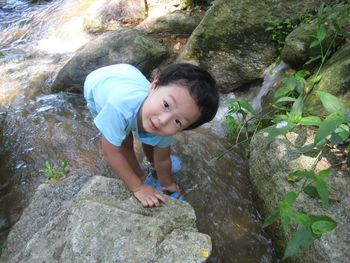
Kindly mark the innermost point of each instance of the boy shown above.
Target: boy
(122, 100)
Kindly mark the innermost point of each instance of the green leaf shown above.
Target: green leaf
(322, 190)
(289, 199)
(285, 99)
(331, 103)
(279, 118)
(300, 86)
(303, 174)
(233, 106)
(285, 209)
(316, 79)
(280, 128)
(292, 178)
(321, 33)
(282, 91)
(301, 74)
(271, 218)
(347, 115)
(343, 131)
(310, 121)
(301, 240)
(328, 126)
(297, 110)
(323, 174)
(311, 191)
(247, 106)
(335, 139)
(300, 218)
(321, 227)
(285, 219)
(231, 126)
(314, 43)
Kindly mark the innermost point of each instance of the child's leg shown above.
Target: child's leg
(148, 150)
(128, 151)
(176, 164)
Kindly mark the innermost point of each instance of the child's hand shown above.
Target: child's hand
(172, 188)
(148, 196)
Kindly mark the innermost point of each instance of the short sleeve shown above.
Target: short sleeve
(112, 124)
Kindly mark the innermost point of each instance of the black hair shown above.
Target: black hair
(200, 84)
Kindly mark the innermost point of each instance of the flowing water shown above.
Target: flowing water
(35, 40)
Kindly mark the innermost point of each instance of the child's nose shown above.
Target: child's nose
(164, 118)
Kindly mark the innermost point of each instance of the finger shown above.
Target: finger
(144, 203)
(155, 201)
(149, 202)
(161, 198)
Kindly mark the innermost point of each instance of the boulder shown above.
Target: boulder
(232, 43)
(123, 46)
(109, 15)
(49, 128)
(270, 164)
(96, 219)
(178, 22)
(297, 51)
(335, 80)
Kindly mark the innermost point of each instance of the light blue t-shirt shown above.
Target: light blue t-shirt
(114, 95)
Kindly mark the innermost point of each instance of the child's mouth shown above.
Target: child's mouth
(153, 127)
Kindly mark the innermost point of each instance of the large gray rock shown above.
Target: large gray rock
(178, 22)
(108, 15)
(231, 41)
(297, 50)
(123, 46)
(270, 164)
(335, 80)
(96, 219)
(48, 128)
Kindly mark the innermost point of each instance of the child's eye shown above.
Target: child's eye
(178, 123)
(166, 105)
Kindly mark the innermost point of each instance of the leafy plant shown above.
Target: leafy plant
(329, 19)
(333, 129)
(310, 227)
(55, 172)
(237, 117)
(287, 113)
(279, 29)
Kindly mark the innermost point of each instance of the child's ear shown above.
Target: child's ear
(154, 83)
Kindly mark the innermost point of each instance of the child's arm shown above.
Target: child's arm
(162, 164)
(119, 159)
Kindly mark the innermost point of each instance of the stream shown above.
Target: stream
(35, 126)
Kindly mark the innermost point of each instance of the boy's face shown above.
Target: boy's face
(167, 110)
